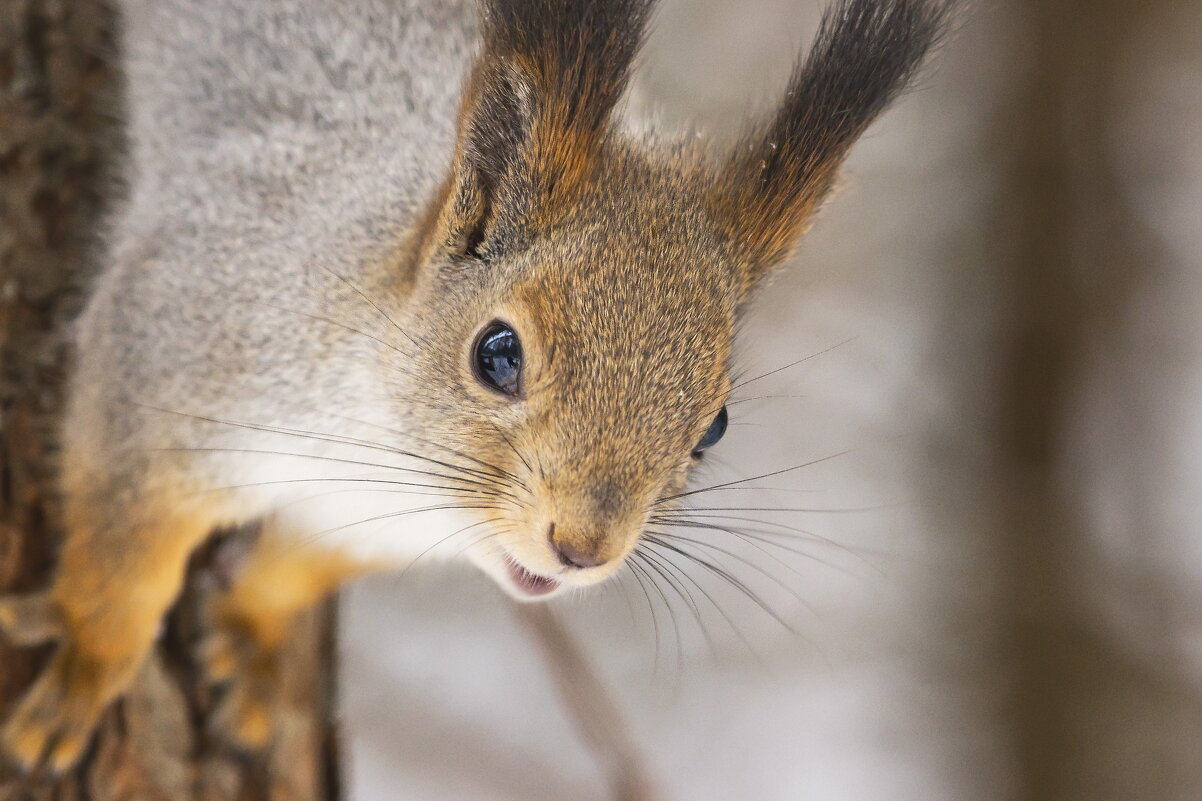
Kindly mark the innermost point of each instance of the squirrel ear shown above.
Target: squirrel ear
(865, 54)
(536, 114)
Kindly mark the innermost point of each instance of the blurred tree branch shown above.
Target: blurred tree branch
(589, 704)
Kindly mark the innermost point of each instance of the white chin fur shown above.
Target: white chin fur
(369, 521)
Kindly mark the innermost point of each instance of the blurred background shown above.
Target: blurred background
(995, 591)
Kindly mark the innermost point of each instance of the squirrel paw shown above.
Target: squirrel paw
(247, 714)
(53, 723)
(30, 619)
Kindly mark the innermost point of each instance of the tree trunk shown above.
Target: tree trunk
(58, 102)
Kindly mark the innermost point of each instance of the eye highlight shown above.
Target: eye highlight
(712, 434)
(497, 358)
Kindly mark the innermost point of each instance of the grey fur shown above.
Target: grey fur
(272, 146)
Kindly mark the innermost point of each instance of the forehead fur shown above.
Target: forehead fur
(634, 267)
(634, 311)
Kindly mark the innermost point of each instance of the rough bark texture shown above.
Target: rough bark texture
(59, 94)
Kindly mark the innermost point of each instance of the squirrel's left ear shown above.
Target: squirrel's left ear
(865, 54)
(536, 114)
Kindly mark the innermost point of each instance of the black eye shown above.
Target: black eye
(713, 433)
(497, 358)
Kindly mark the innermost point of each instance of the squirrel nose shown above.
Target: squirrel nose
(572, 555)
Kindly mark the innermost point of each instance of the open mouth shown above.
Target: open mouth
(529, 583)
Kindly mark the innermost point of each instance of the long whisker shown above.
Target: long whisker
(737, 401)
(659, 501)
(392, 515)
(373, 304)
(635, 571)
(250, 484)
(619, 586)
(504, 527)
(773, 529)
(315, 456)
(717, 607)
(413, 436)
(444, 539)
(658, 538)
(321, 458)
(669, 572)
(342, 325)
(417, 438)
(793, 490)
(766, 537)
(742, 384)
(730, 579)
(803, 509)
(512, 447)
(486, 536)
(642, 557)
(328, 493)
(752, 542)
(342, 440)
(663, 572)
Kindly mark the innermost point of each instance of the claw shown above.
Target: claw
(246, 721)
(53, 724)
(219, 658)
(24, 747)
(246, 717)
(67, 751)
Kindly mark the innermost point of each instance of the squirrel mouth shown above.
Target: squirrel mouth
(530, 583)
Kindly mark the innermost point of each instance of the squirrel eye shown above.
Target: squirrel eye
(497, 358)
(713, 433)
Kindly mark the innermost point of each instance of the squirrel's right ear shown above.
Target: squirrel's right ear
(536, 115)
(865, 53)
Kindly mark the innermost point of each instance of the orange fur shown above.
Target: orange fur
(280, 580)
(109, 605)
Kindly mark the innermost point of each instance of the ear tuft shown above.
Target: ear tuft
(865, 54)
(537, 111)
(574, 56)
(578, 53)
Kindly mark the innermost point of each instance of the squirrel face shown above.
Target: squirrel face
(590, 368)
(578, 291)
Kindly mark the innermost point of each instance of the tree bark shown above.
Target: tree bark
(59, 101)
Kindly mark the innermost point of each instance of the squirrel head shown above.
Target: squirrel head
(575, 292)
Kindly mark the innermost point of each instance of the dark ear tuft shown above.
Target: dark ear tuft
(865, 54)
(538, 107)
(578, 53)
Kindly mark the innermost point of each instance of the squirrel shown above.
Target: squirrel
(389, 276)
